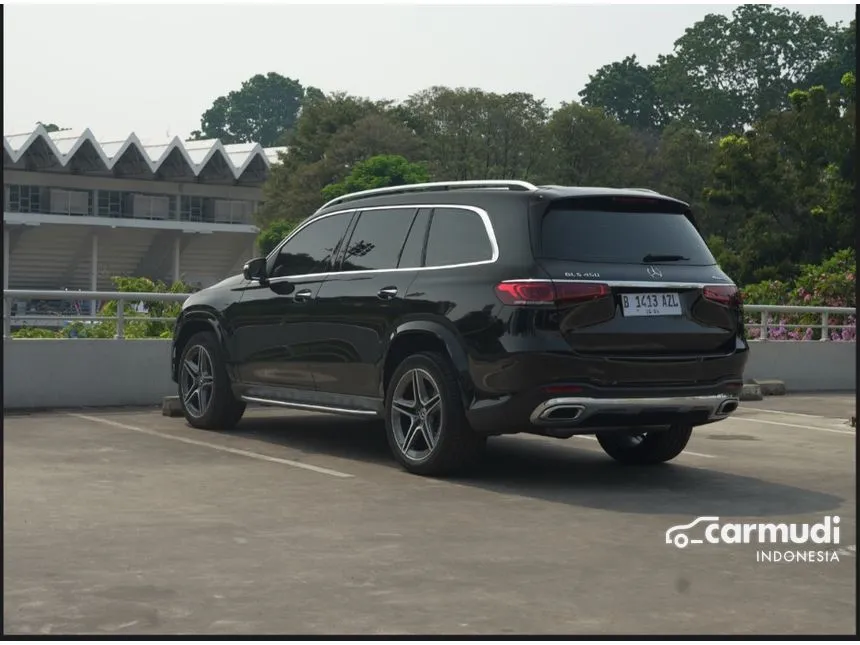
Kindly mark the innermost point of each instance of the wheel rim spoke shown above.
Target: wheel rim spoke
(417, 387)
(433, 405)
(406, 408)
(429, 439)
(203, 397)
(191, 368)
(413, 431)
(191, 394)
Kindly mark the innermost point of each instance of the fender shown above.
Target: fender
(196, 315)
(450, 339)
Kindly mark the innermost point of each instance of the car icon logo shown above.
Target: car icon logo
(677, 534)
(654, 272)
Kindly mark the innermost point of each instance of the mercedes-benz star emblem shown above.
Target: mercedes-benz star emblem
(654, 272)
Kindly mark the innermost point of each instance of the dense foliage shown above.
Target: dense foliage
(829, 284)
(137, 324)
(263, 110)
(750, 119)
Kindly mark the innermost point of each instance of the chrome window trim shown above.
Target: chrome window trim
(635, 283)
(485, 218)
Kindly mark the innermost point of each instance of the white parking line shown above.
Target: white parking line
(235, 451)
(794, 425)
(686, 452)
(790, 414)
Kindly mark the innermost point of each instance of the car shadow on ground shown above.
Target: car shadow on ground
(562, 471)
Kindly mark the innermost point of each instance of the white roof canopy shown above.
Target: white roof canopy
(174, 159)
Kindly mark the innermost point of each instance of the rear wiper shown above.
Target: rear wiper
(663, 258)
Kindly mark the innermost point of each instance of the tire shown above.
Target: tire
(453, 445)
(219, 409)
(652, 448)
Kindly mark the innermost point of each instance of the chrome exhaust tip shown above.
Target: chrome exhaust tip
(727, 407)
(562, 413)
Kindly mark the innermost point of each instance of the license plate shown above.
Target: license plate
(650, 304)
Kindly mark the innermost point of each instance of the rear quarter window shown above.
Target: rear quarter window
(621, 237)
(457, 236)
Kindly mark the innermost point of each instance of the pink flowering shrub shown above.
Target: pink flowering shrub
(829, 284)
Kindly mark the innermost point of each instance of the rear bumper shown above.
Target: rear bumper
(578, 411)
(593, 409)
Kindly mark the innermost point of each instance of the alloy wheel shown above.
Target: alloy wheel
(197, 381)
(416, 414)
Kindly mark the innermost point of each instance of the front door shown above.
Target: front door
(273, 327)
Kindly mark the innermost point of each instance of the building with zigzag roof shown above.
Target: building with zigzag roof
(78, 210)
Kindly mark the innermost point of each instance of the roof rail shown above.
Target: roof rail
(509, 184)
(645, 190)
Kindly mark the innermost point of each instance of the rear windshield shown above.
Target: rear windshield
(622, 237)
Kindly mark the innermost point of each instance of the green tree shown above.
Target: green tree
(272, 235)
(262, 111)
(378, 172)
(782, 194)
(332, 134)
(51, 127)
(628, 92)
(321, 118)
(841, 60)
(372, 135)
(681, 165)
(588, 148)
(472, 134)
(727, 72)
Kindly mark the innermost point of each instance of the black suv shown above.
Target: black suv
(457, 311)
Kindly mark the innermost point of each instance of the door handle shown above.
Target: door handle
(303, 296)
(387, 293)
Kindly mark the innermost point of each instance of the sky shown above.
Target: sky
(154, 69)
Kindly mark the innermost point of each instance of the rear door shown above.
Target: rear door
(633, 277)
(359, 305)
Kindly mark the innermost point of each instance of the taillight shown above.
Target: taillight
(545, 293)
(525, 293)
(580, 291)
(723, 294)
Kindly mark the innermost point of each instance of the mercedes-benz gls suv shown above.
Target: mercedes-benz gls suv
(458, 311)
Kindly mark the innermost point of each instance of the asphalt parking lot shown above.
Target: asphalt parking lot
(126, 522)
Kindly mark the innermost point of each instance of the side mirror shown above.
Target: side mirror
(255, 270)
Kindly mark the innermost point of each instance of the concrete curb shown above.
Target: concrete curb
(771, 387)
(170, 407)
(751, 392)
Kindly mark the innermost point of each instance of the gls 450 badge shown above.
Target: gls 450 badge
(568, 274)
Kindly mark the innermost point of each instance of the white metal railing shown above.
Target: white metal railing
(764, 322)
(120, 297)
(766, 313)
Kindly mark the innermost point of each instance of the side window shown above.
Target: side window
(377, 239)
(311, 249)
(457, 236)
(410, 257)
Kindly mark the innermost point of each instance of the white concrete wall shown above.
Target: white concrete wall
(805, 365)
(82, 372)
(61, 373)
